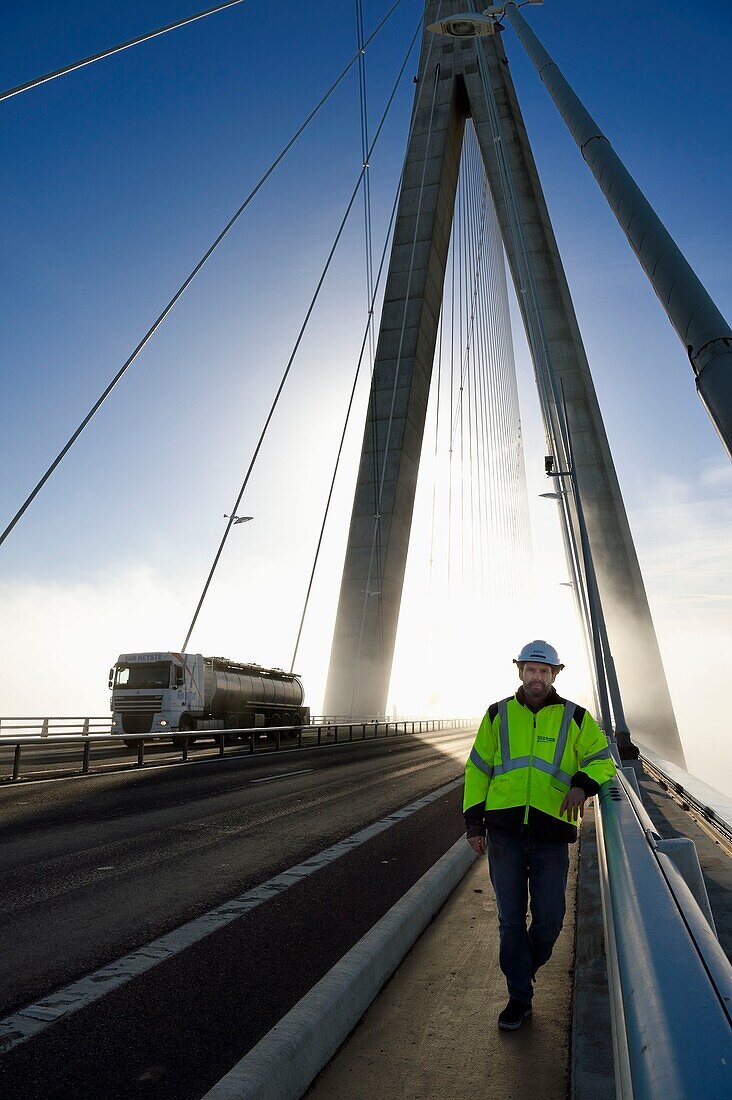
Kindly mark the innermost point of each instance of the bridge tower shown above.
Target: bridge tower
(450, 89)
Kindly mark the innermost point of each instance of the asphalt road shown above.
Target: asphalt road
(94, 868)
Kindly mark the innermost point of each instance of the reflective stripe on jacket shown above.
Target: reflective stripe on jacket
(522, 758)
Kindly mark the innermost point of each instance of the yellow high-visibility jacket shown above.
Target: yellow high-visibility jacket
(522, 758)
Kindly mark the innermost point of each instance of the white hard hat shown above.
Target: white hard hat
(539, 653)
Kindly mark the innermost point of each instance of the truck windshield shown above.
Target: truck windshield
(143, 676)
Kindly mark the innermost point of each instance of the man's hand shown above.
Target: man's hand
(477, 843)
(573, 804)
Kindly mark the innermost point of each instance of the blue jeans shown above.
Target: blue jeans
(522, 868)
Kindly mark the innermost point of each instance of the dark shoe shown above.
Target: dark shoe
(513, 1015)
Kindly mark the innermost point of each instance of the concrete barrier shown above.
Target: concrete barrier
(283, 1064)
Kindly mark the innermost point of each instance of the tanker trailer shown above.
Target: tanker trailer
(167, 693)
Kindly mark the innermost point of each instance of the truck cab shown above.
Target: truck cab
(155, 693)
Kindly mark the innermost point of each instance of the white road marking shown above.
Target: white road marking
(283, 775)
(30, 1021)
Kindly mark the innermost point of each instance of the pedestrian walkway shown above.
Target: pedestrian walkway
(432, 1032)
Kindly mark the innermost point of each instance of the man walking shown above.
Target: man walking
(535, 760)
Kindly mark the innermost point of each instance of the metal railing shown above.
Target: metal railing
(670, 981)
(72, 725)
(721, 824)
(285, 738)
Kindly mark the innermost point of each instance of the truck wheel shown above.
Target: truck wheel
(275, 719)
(231, 722)
(186, 723)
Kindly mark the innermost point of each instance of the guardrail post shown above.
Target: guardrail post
(16, 762)
(140, 751)
(221, 744)
(184, 749)
(682, 852)
(350, 732)
(336, 734)
(85, 728)
(44, 728)
(278, 739)
(85, 761)
(320, 731)
(299, 737)
(363, 731)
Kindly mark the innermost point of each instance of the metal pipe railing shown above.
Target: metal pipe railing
(670, 982)
(719, 816)
(326, 733)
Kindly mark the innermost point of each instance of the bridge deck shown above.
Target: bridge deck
(432, 1031)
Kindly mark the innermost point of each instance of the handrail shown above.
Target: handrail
(315, 720)
(670, 981)
(715, 816)
(321, 735)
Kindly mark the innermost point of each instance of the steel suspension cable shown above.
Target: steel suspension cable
(523, 534)
(472, 352)
(482, 353)
(546, 384)
(369, 282)
(501, 431)
(186, 283)
(363, 104)
(352, 395)
(480, 363)
(38, 80)
(437, 438)
(368, 330)
(452, 407)
(501, 419)
(301, 333)
(488, 508)
(462, 383)
(84, 61)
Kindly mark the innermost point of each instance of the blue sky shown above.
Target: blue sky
(115, 179)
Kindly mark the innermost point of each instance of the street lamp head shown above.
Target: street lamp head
(463, 25)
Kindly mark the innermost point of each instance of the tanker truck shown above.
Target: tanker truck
(171, 693)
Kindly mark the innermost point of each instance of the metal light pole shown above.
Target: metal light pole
(599, 630)
(699, 325)
(580, 595)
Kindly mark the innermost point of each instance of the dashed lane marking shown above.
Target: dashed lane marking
(35, 1018)
(283, 775)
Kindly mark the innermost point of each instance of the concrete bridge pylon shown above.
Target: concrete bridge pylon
(450, 88)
